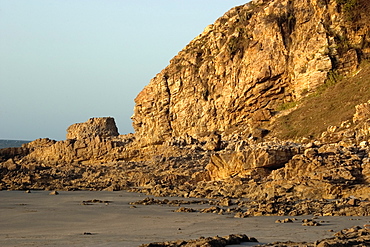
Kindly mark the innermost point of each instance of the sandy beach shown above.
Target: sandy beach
(40, 219)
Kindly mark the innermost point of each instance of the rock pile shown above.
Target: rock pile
(277, 206)
(209, 241)
(356, 237)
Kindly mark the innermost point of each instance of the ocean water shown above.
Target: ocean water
(12, 143)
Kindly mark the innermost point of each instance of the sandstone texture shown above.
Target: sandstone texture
(103, 127)
(251, 60)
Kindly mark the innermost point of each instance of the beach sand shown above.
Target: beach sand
(40, 219)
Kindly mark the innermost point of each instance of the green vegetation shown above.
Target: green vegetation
(332, 79)
(179, 67)
(348, 7)
(233, 45)
(355, 10)
(286, 106)
(334, 104)
(343, 44)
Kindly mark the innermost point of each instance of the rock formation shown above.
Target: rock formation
(252, 160)
(335, 166)
(354, 236)
(103, 127)
(251, 60)
(210, 241)
(201, 123)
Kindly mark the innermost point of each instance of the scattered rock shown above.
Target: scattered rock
(310, 222)
(95, 201)
(287, 220)
(355, 236)
(209, 241)
(185, 210)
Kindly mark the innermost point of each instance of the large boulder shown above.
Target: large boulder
(253, 159)
(102, 127)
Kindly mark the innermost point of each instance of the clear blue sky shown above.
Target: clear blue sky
(64, 61)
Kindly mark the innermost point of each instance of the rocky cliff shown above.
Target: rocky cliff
(198, 122)
(253, 59)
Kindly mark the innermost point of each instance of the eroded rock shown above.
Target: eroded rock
(103, 127)
(209, 241)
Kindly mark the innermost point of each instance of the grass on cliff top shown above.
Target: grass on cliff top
(331, 106)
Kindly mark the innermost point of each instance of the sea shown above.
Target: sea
(12, 143)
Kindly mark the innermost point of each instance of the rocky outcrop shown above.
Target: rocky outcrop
(336, 166)
(362, 112)
(356, 236)
(93, 142)
(251, 60)
(329, 171)
(253, 160)
(239, 208)
(209, 242)
(315, 170)
(103, 127)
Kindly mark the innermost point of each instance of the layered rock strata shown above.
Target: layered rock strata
(251, 60)
(103, 127)
(252, 160)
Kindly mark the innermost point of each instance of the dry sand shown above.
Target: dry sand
(40, 219)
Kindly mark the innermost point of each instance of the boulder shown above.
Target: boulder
(251, 160)
(10, 165)
(103, 127)
(362, 112)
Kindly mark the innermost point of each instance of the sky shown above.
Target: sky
(65, 61)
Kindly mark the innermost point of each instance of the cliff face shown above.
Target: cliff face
(251, 60)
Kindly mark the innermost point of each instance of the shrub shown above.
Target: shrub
(286, 106)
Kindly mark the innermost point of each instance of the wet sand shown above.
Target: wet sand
(40, 219)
